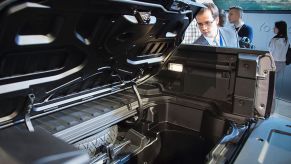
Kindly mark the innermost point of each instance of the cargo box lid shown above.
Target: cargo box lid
(55, 54)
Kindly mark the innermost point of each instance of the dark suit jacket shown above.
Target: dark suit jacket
(229, 37)
(246, 31)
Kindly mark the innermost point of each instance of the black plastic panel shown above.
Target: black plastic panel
(57, 50)
(28, 64)
(206, 73)
(37, 147)
(247, 66)
(243, 107)
(245, 87)
(217, 75)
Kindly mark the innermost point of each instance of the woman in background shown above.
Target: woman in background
(279, 44)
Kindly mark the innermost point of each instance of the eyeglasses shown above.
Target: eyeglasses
(207, 23)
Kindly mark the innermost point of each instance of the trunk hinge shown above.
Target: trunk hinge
(28, 123)
(139, 101)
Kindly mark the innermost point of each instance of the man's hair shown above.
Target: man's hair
(239, 9)
(213, 9)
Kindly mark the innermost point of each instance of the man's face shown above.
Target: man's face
(207, 24)
(233, 16)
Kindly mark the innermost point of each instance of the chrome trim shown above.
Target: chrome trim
(144, 4)
(26, 84)
(131, 19)
(9, 117)
(23, 40)
(85, 97)
(86, 41)
(153, 20)
(22, 6)
(170, 35)
(148, 61)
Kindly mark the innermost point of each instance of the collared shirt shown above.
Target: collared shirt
(192, 33)
(216, 41)
(239, 27)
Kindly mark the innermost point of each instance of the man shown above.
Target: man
(222, 18)
(192, 33)
(213, 35)
(235, 17)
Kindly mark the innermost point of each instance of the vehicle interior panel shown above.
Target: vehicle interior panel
(110, 82)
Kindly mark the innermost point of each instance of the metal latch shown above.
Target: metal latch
(262, 76)
(143, 17)
(113, 150)
(31, 98)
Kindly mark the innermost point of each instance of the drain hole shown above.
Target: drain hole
(260, 139)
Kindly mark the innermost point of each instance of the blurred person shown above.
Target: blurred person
(192, 33)
(235, 16)
(213, 35)
(279, 45)
(222, 18)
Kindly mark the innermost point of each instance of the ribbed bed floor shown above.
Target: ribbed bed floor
(102, 111)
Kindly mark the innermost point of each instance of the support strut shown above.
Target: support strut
(139, 101)
(28, 123)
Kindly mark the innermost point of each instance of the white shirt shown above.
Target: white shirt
(216, 40)
(239, 25)
(278, 49)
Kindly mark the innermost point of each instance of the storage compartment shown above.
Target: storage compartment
(174, 144)
(177, 133)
